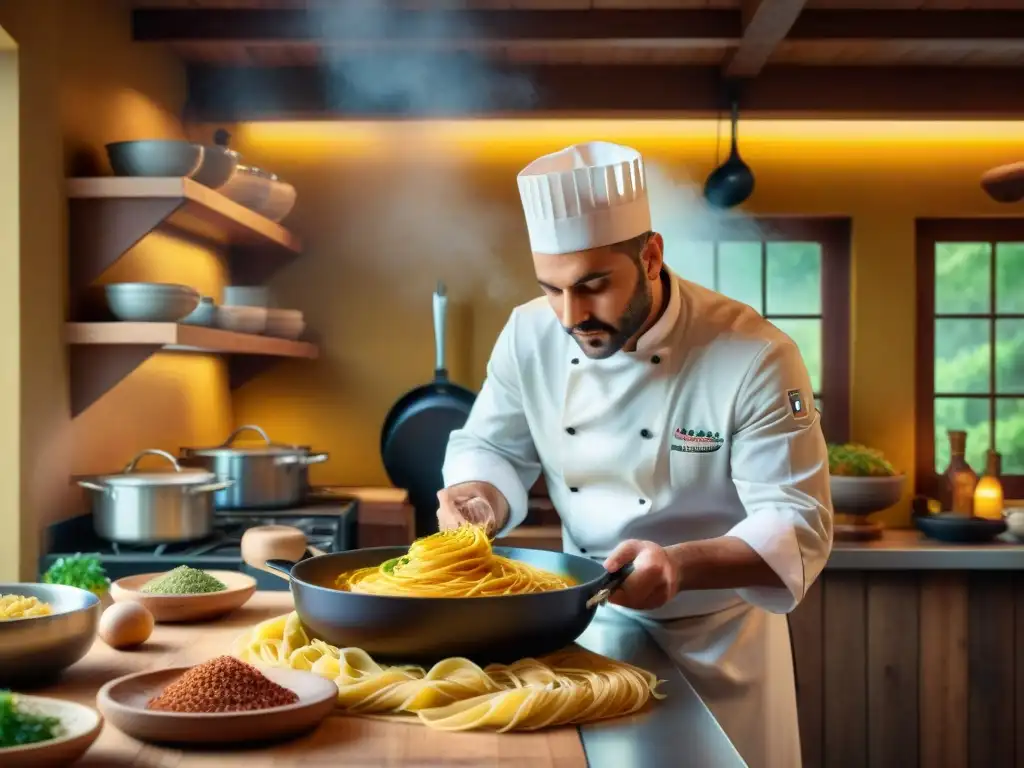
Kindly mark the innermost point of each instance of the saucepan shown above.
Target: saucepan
(426, 629)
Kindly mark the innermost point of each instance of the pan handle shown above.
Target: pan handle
(281, 568)
(608, 584)
(440, 313)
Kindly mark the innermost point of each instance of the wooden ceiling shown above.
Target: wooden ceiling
(922, 58)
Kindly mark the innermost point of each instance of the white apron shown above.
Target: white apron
(707, 429)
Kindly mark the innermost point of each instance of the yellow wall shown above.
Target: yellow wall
(10, 340)
(387, 209)
(84, 83)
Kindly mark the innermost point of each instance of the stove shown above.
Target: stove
(328, 520)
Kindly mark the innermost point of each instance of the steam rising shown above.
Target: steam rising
(432, 211)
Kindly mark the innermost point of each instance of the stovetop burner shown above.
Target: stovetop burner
(327, 519)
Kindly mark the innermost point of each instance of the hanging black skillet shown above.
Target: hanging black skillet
(732, 182)
(414, 436)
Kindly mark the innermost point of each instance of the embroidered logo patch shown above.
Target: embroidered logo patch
(797, 404)
(697, 441)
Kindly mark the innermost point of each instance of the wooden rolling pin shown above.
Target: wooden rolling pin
(1005, 184)
(274, 542)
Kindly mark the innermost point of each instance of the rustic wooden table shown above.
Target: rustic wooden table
(340, 741)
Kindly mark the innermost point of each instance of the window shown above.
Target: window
(970, 331)
(796, 273)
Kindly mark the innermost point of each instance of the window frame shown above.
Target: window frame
(833, 234)
(928, 233)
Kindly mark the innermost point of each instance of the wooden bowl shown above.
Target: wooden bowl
(123, 703)
(81, 725)
(171, 608)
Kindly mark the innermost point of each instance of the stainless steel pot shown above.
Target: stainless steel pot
(154, 507)
(269, 476)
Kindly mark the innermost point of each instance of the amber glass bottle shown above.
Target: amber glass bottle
(959, 480)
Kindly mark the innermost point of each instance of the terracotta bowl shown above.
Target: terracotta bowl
(173, 608)
(123, 703)
(81, 726)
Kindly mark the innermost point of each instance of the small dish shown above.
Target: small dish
(123, 703)
(285, 323)
(167, 609)
(205, 314)
(80, 725)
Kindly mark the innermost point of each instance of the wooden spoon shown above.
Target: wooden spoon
(274, 542)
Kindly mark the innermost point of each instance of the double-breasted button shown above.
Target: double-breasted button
(656, 359)
(575, 361)
(574, 489)
(571, 430)
(643, 501)
(583, 550)
(646, 434)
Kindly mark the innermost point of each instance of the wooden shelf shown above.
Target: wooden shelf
(104, 353)
(108, 215)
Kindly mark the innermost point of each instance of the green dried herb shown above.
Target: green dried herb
(19, 727)
(183, 581)
(82, 571)
(856, 460)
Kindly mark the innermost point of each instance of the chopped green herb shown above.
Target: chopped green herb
(856, 460)
(82, 571)
(19, 727)
(183, 581)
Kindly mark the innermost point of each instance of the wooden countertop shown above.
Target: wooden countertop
(908, 549)
(340, 741)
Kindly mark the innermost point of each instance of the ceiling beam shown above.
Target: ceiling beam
(342, 24)
(349, 24)
(765, 24)
(350, 90)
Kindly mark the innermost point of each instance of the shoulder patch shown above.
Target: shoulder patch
(797, 404)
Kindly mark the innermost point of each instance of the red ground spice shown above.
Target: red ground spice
(223, 684)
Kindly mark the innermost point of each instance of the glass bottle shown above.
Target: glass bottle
(959, 480)
(988, 495)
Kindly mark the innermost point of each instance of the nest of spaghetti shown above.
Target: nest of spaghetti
(455, 563)
(570, 687)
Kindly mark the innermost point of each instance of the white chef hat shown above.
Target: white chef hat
(584, 196)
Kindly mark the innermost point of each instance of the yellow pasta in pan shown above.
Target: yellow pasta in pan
(570, 687)
(455, 563)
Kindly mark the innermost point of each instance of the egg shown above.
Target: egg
(125, 625)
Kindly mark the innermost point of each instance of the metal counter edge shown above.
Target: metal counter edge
(678, 730)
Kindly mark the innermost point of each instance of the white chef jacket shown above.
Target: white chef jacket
(707, 429)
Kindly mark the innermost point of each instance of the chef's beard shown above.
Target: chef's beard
(629, 323)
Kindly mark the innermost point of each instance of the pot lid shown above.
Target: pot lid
(268, 448)
(177, 476)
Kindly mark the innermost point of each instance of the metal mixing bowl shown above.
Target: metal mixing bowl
(37, 649)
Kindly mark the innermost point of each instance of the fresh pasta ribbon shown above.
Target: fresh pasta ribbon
(569, 687)
(455, 563)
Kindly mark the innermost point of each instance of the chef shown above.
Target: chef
(676, 430)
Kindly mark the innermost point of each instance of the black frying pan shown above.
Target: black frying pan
(428, 629)
(414, 437)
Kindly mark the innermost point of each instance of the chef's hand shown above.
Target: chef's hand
(477, 503)
(655, 579)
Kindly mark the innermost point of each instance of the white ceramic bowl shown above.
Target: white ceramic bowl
(151, 302)
(285, 323)
(242, 319)
(204, 314)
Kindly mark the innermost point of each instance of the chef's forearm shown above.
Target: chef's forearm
(721, 563)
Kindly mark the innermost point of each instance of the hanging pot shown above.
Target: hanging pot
(268, 476)
(154, 507)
